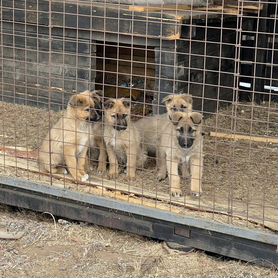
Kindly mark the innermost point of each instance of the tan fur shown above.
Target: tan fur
(172, 154)
(125, 144)
(67, 142)
(150, 128)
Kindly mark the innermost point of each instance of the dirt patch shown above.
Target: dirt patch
(58, 248)
(24, 126)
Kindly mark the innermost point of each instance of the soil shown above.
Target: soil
(53, 247)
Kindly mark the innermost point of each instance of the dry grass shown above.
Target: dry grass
(69, 249)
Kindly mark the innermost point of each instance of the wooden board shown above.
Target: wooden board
(236, 137)
(100, 17)
(266, 217)
(226, 9)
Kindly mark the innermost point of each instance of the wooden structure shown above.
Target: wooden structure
(52, 48)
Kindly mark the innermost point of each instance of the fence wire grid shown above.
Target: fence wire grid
(165, 104)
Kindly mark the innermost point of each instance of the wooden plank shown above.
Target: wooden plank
(106, 18)
(231, 8)
(160, 8)
(146, 2)
(266, 217)
(236, 137)
(253, 7)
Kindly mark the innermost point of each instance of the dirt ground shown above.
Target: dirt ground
(53, 247)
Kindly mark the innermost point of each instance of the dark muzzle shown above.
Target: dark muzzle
(121, 123)
(95, 116)
(185, 143)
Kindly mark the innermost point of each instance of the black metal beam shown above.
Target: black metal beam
(226, 240)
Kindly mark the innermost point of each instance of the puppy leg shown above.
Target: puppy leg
(44, 167)
(81, 164)
(185, 171)
(70, 159)
(161, 165)
(102, 158)
(131, 162)
(113, 162)
(173, 173)
(196, 169)
(61, 170)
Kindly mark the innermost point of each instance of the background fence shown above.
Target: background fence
(223, 53)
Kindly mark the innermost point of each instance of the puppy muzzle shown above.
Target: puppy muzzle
(120, 127)
(95, 117)
(185, 143)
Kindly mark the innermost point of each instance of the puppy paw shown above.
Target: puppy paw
(84, 178)
(82, 173)
(113, 174)
(131, 177)
(101, 169)
(161, 176)
(176, 193)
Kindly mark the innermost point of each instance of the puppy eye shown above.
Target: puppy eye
(87, 109)
(125, 115)
(190, 129)
(113, 116)
(174, 108)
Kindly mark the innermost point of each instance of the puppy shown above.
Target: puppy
(182, 142)
(96, 143)
(121, 137)
(66, 144)
(150, 127)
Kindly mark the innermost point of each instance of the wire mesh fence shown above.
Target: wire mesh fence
(166, 104)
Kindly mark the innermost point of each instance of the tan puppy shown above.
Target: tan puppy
(67, 142)
(182, 143)
(150, 128)
(121, 137)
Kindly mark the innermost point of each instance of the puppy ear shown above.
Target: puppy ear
(167, 99)
(126, 102)
(95, 97)
(196, 118)
(76, 101)
(98, 93)
(108, 104)
(176, 117)
(187, 98)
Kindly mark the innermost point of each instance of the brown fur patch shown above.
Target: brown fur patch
(68, 141)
